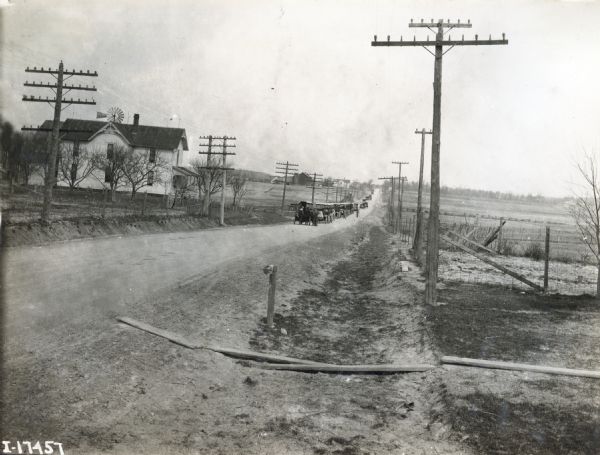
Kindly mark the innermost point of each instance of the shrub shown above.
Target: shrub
(534, 251)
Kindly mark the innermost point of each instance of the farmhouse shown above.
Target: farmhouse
(156, 144)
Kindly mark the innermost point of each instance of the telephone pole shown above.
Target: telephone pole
(399, 217)
(57, 102)
(401, 192)
(391, 199)
(222, 168)
(284, 170)
(418, 240)
(314, 182)
(434, 205)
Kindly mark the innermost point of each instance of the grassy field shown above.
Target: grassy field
(525, 227)
(25, 203)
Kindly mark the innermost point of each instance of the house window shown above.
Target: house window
(107, 174)
(150, 178)
(110, 151)
(75, 149)
(152, 157)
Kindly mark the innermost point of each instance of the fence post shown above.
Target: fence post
(499, 241)
(271, 270)
(546, 258)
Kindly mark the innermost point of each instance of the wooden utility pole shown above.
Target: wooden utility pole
(401, 193)
(418, 239)
(209, 177)
(58, 101)
(280, 169)
(314, 182)
(434, 204)
(391, 199)
(399, 217)
(222, 168)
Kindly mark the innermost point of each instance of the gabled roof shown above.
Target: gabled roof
(185, 171)
(137, 135)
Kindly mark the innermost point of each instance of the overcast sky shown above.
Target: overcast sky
(299, 80)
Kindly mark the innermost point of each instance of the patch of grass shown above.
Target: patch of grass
(504, 427)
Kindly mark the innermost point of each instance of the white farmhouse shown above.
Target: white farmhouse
(158, 143)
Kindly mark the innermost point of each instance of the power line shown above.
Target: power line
(280, 169)
(223, 167)
(314, 182)
(418, 239)
(57, 102)
(439, 43)
(399, 218)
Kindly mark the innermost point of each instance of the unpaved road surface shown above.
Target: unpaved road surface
(75, 375)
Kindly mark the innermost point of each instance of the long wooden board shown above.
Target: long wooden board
(237, 353)
(331, 368)
(251, 355)
(520, 367)
(173, 337)
(493, 264)
(472, 242)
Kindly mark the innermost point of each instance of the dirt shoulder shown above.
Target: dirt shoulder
(35, 233)
(102, 387)
(504, 412)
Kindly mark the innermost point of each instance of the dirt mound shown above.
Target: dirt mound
(36, 233)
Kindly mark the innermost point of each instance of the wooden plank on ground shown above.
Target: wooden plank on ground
(237, 353)
(331, 368)
(473, 243)
(173, 337)
(492, 263)
(250, 355)
(519, 367)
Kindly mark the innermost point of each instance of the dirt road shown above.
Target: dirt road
(78, 377)
(43, 285)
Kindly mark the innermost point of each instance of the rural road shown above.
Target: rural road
(47, 285)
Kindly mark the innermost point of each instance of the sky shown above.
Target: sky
(298, 80)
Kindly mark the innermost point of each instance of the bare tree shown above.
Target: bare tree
(209, 180)
(76, 164)
(238, 180)
(183, 188)
(586, 210)
(33, 156)
(109, 167)
(143, 169)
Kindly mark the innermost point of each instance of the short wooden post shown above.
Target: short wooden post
(271, 270)
(546, 258)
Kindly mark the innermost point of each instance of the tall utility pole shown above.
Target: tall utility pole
(222, 168)
(58, 101)
(399, 217)
(418, 240)
(391, 199)
(314, 182)
(434, 205)
(280, 169)
(208, 178)
(401, 193)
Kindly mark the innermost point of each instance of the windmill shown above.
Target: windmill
(114, 115)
